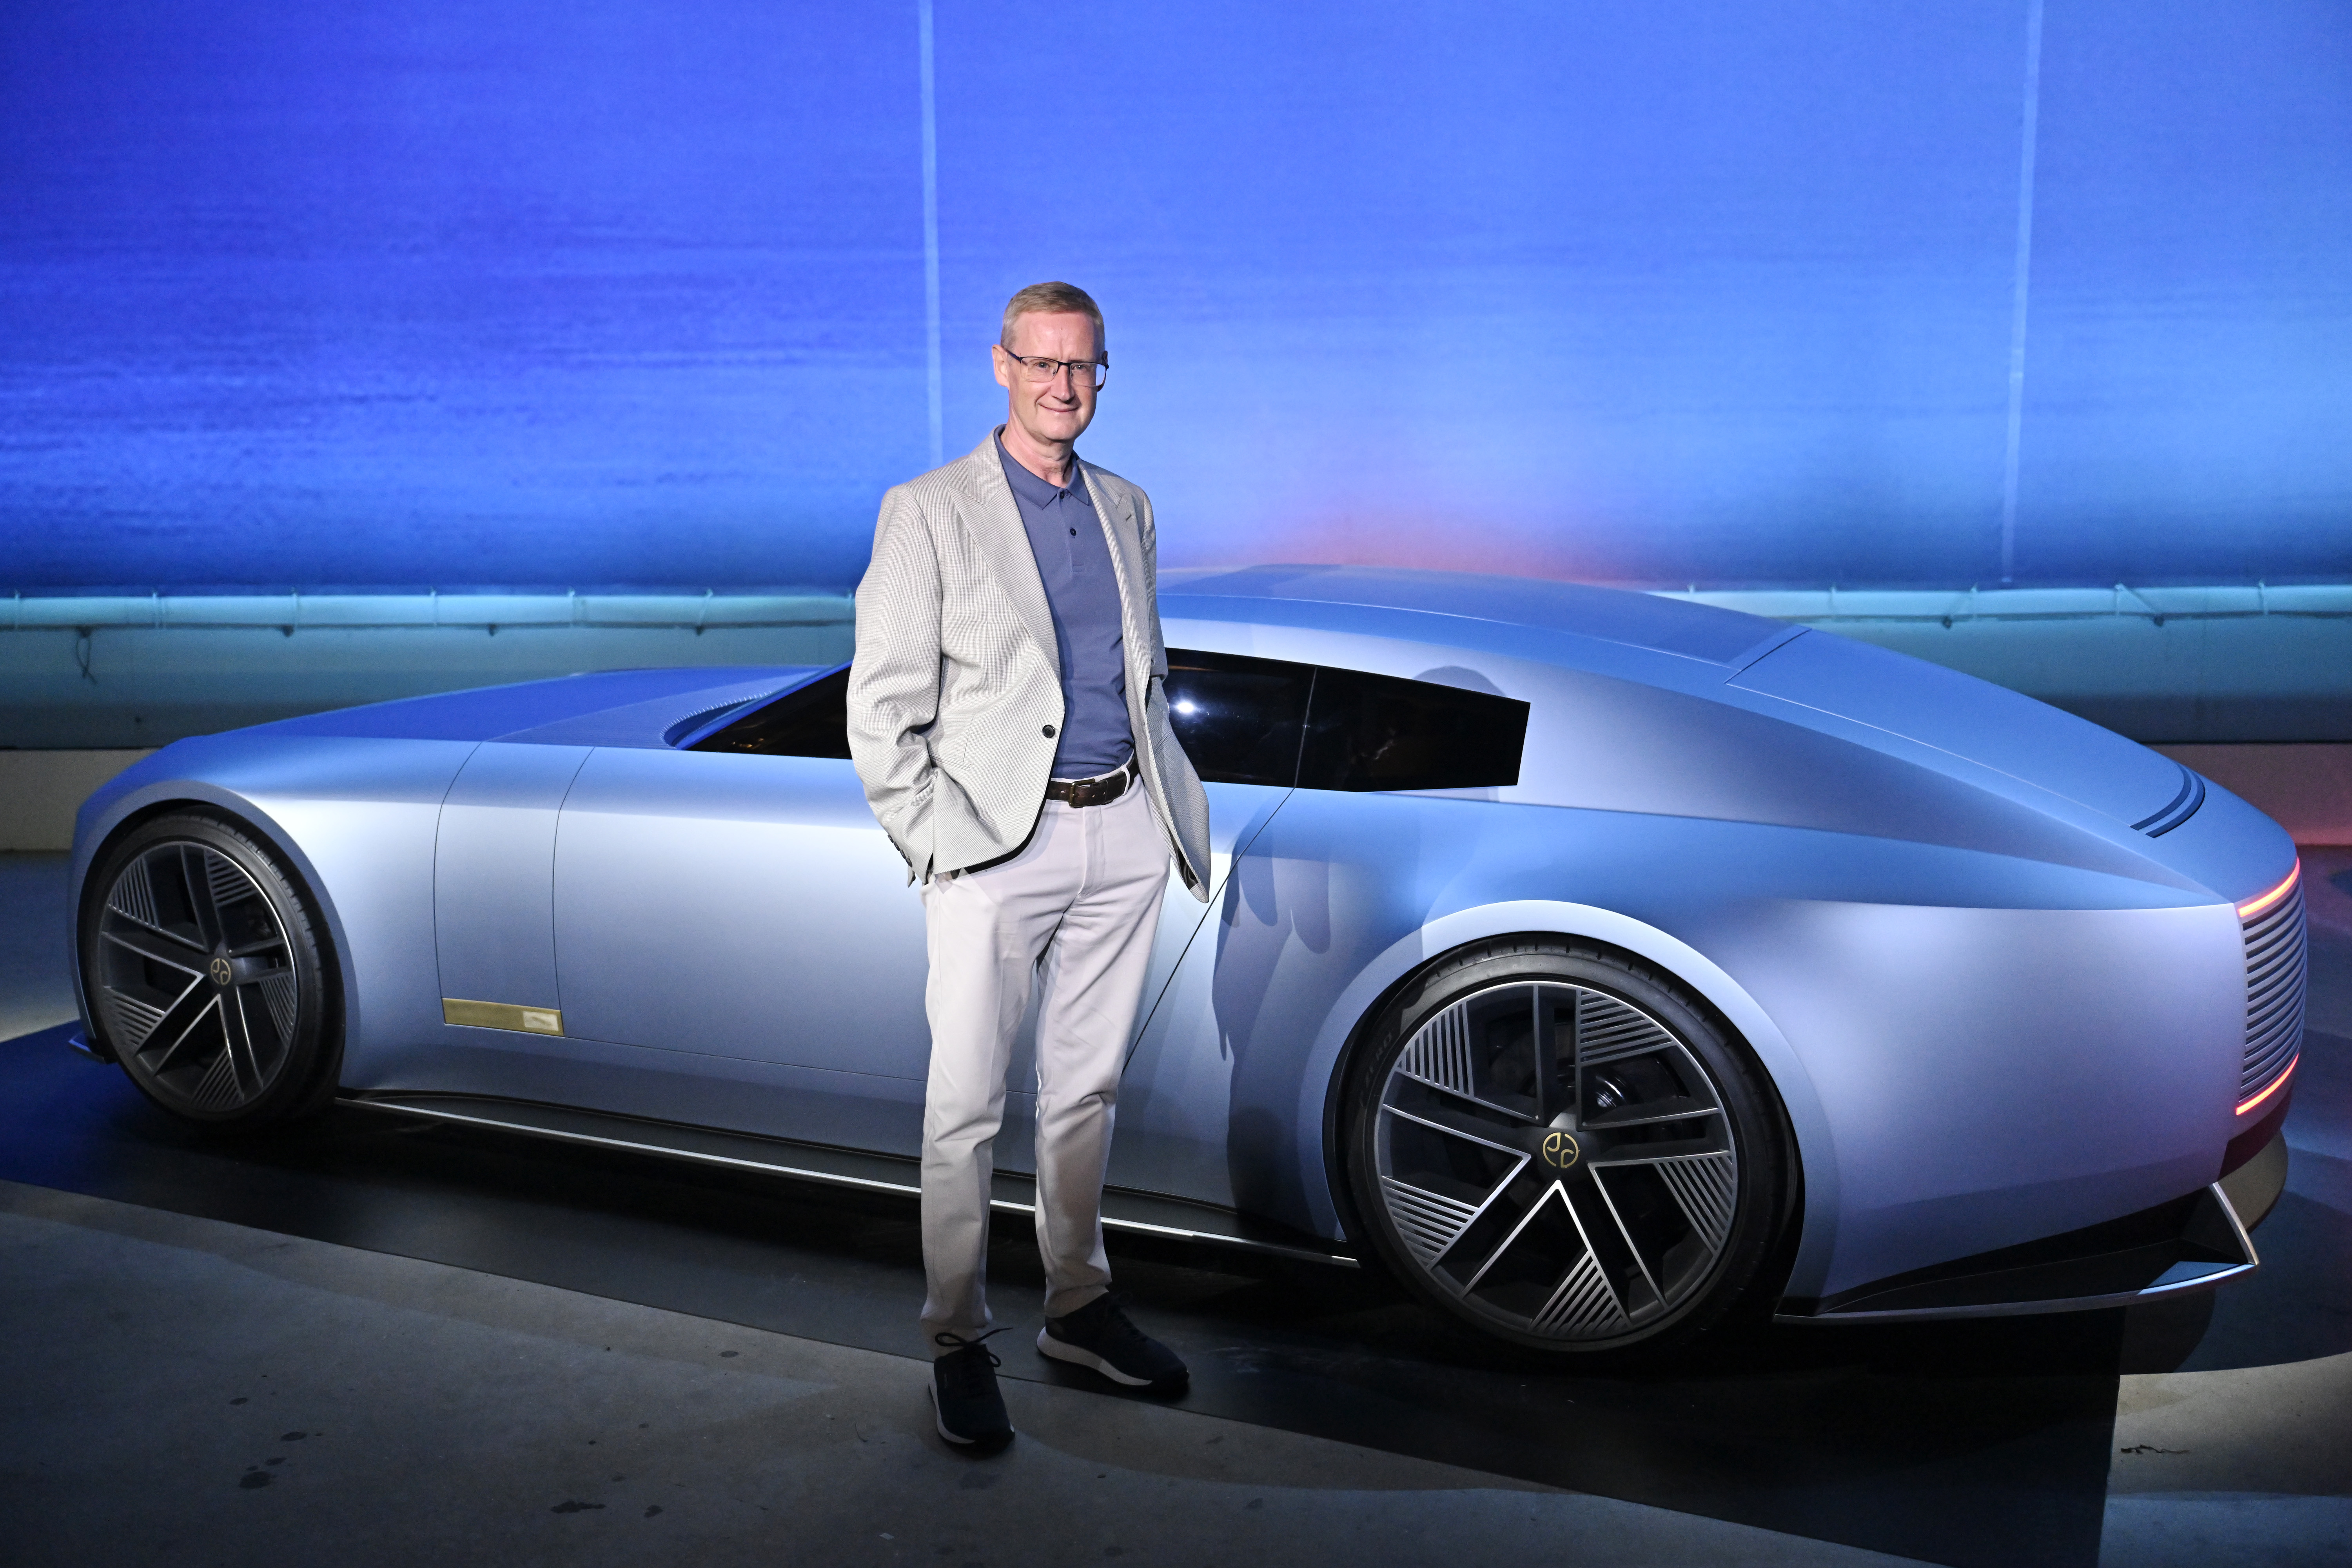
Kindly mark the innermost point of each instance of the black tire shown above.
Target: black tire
(203, 963)
(1563, 1149)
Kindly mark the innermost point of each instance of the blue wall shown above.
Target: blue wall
(514, 293)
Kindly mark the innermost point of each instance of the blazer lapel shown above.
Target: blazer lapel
(1127, 562)
(985, 503)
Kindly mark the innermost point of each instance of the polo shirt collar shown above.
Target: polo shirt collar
(1037, 491)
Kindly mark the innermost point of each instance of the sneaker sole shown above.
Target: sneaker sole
(940, 1422)
(1062, 1350)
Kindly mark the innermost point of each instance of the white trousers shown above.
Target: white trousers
(1073, 912)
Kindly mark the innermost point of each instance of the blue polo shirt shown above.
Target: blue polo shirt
(1073, 556)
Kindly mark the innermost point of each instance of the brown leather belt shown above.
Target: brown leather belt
(1100, 790)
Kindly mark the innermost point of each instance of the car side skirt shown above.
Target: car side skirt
(1136, 1213)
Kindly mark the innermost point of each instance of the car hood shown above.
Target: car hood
(1987, 724)
(611, 707)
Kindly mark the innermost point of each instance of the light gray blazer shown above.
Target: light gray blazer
(956, 679)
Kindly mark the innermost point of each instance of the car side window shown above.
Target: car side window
(812, 721)
(1243, 720)
(1378, 733)
(1238, 718)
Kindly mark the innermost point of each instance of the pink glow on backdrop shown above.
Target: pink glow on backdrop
(1412, 539)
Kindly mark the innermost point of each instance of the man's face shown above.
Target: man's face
(1057, 409)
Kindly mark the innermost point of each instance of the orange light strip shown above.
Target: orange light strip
(2253, 907)
(2276, 1084)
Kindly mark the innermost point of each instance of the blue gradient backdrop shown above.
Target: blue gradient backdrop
(523, 293)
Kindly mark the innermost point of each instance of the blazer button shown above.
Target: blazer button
(1049, 732)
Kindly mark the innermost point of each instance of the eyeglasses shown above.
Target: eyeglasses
(1091, 373)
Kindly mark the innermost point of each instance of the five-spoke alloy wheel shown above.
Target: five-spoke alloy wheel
(202, 966)
(1562, 1148)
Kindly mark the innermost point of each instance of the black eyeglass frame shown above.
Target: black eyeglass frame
(1100, 368)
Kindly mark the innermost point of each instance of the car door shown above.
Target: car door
(733, 897)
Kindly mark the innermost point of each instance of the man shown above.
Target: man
(1008, 720)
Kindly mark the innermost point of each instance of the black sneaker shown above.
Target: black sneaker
(1098, 1335)
(964, 1394)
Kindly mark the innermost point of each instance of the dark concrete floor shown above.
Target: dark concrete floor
(195, 1392)
(457, 1278)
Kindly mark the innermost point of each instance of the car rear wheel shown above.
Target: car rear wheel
(1562, 1149)
(201, 961)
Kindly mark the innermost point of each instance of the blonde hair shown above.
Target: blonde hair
(1053, 299)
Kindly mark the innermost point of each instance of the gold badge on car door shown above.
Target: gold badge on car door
(503, 1015)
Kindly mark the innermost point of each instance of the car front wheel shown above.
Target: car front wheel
(1561, 1147)
(201, 961)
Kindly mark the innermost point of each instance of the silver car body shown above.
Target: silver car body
(1989, 954)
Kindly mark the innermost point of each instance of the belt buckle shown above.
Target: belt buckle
(1098, 790)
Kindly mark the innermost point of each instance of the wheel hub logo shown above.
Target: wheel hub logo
(1560, 1151)
(221, 971)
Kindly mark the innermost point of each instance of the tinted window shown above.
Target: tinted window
(1376, 732)
(1243, 720)
(1238, 718)
(811, 721)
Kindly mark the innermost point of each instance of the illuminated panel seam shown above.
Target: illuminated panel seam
(2273, 926)
(2255, 906)
(2276, 1084)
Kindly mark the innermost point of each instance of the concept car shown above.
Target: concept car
(1602, 964)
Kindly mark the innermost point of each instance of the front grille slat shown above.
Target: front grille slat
(2275, 1049)
(2280, 991)
(2275, 1012)
(2261, 967)
(2282, 987)
(2278, 1020)
(2284, 990)
(2262, 951)
(2272, 953)
(2286, 1022)
(2274, 933)
(2282, 1035)
(2276, 971)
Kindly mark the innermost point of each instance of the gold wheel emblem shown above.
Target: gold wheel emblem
(1560, 1151)
(220, 971)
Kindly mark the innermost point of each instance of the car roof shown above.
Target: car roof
(1609, 614)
